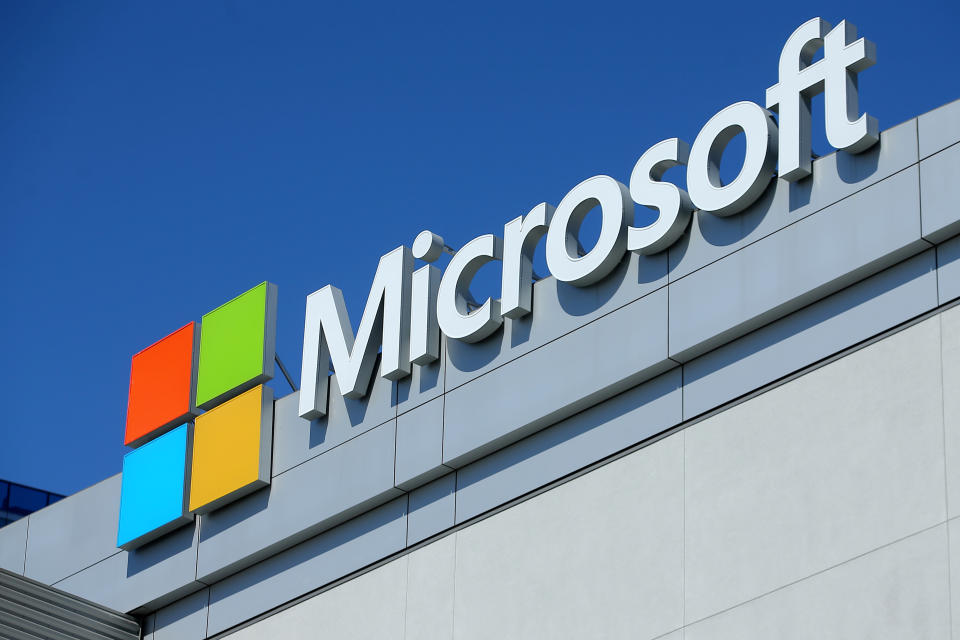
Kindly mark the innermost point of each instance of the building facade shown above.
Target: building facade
(752, 434)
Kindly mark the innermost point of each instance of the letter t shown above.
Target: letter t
(844, 58)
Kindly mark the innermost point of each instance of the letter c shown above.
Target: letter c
(454, 315)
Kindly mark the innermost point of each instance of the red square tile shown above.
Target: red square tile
(161, 386)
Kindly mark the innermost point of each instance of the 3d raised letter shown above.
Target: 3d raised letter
(800, 79)
(424, 331)
(563, 246)
(454, 314)
(671, 201)
(706, 189)
(520, 238)
(844, 60)
(327, 336)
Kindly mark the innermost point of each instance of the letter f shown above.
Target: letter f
(801, 79)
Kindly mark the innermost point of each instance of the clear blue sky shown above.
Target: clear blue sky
(158, 159)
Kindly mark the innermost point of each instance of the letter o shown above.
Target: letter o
(616, 207)
(704, 186)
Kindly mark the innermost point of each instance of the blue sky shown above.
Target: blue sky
(158, 159)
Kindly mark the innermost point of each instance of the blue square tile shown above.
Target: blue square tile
(152, 489)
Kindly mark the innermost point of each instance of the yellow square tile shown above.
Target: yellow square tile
(231, 450)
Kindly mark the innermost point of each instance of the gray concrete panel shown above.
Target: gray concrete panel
(821, 254)
(896, 592)
(74, 533)
(831, 465)
(836, 176)
(300, 503)
(13, 546)
(430, 587)
(940, 194)
(558, 308)
(938, 129)
(572, 444)
(866, 308)
(296, 440)
(420, 445)
(310, 565)
(950, 358)
(948, 270)
(139, 581)
(432, 508)
(369, 607)
(185, 619)
(953, 532)
(600, 556)
(599, 360)
(424, 382)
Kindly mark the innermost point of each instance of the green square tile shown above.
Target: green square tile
(237, 342)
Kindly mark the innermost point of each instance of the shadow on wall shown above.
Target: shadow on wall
(325, 544)
(343, 413)
(235, 512)
(633, 271)
(715, 230)
(811, 316)
(164, 548)
(726, 231)
(423, 379)
(601, 415)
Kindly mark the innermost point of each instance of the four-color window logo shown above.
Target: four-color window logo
(199, 417)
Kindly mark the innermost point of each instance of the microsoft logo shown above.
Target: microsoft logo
(199, 417)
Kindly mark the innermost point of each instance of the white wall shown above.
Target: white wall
(819, 509)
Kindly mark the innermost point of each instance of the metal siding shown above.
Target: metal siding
(30, 610)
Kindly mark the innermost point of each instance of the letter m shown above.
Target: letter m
(328, 338)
